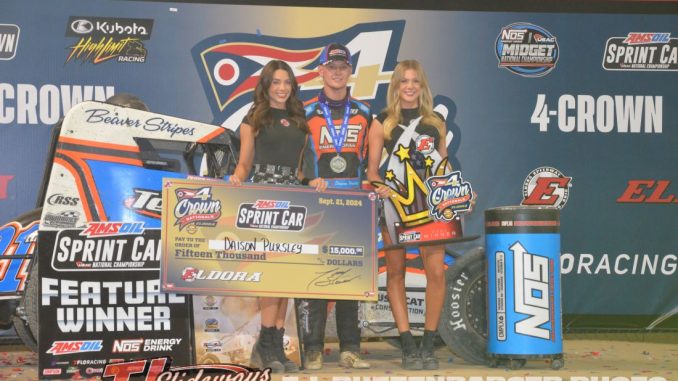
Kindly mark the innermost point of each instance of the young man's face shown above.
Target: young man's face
(335, 75)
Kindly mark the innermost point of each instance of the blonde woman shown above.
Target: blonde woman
(409, 122)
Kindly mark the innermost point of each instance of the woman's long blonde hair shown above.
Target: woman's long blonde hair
(393, 114)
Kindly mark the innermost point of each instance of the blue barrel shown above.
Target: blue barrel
(523, 283)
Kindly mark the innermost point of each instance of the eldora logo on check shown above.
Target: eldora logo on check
(271, 215)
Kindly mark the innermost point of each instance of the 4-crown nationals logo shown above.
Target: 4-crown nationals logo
(195, 207)
(448, 195)
(229, 65)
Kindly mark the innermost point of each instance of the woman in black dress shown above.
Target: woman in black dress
(273, 138)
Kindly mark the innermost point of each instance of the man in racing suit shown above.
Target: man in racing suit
(338, 125)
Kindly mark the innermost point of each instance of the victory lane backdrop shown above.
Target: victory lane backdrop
(588, 95)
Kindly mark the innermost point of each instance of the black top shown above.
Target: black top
(408, 115)
(281, 143)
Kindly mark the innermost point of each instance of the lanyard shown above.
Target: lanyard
(338, 138)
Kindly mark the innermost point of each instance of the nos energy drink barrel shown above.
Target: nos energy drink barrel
(523, 284)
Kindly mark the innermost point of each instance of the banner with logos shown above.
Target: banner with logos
(573, 110)
(261, 240)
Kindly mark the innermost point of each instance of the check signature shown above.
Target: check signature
(332, 277)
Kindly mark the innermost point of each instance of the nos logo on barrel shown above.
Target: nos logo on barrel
(533, 286)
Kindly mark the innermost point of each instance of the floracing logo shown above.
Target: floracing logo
(159, 369)
(229, 65)
(9, 40)
(448, 195)
(526, 49)
(102, 39)
(271, 215)
(70, 347)
(546, 186)
(195, 207)
(641, 51)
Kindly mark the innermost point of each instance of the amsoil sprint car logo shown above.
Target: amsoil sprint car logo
(641, 52)
(526, 49)
(102, 39)
(229, 65)
(271, 215)
(546, 186)
(196, 208)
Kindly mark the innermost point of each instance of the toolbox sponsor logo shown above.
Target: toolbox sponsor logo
(9, 41)
(65, 219)
(69, 347)
(527, 50)
(641, 52)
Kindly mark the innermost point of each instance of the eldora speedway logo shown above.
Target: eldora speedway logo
(641, 51)
(546, 186)
(229, 65)
(448, 195)
(527, 49)
(195, 207)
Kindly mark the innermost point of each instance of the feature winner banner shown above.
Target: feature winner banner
(101, 301)
(254, 240)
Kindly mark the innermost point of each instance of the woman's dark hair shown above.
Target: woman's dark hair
(259, 115)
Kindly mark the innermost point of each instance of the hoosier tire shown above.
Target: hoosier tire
(29, 303)
(463, 324)
(25, 317)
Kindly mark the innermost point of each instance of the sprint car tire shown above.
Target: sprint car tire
(26, 319)
(30, 304)
(463, 324)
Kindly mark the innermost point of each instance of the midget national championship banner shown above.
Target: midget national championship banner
(255, 240)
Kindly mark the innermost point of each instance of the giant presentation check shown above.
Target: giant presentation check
(261, 240)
